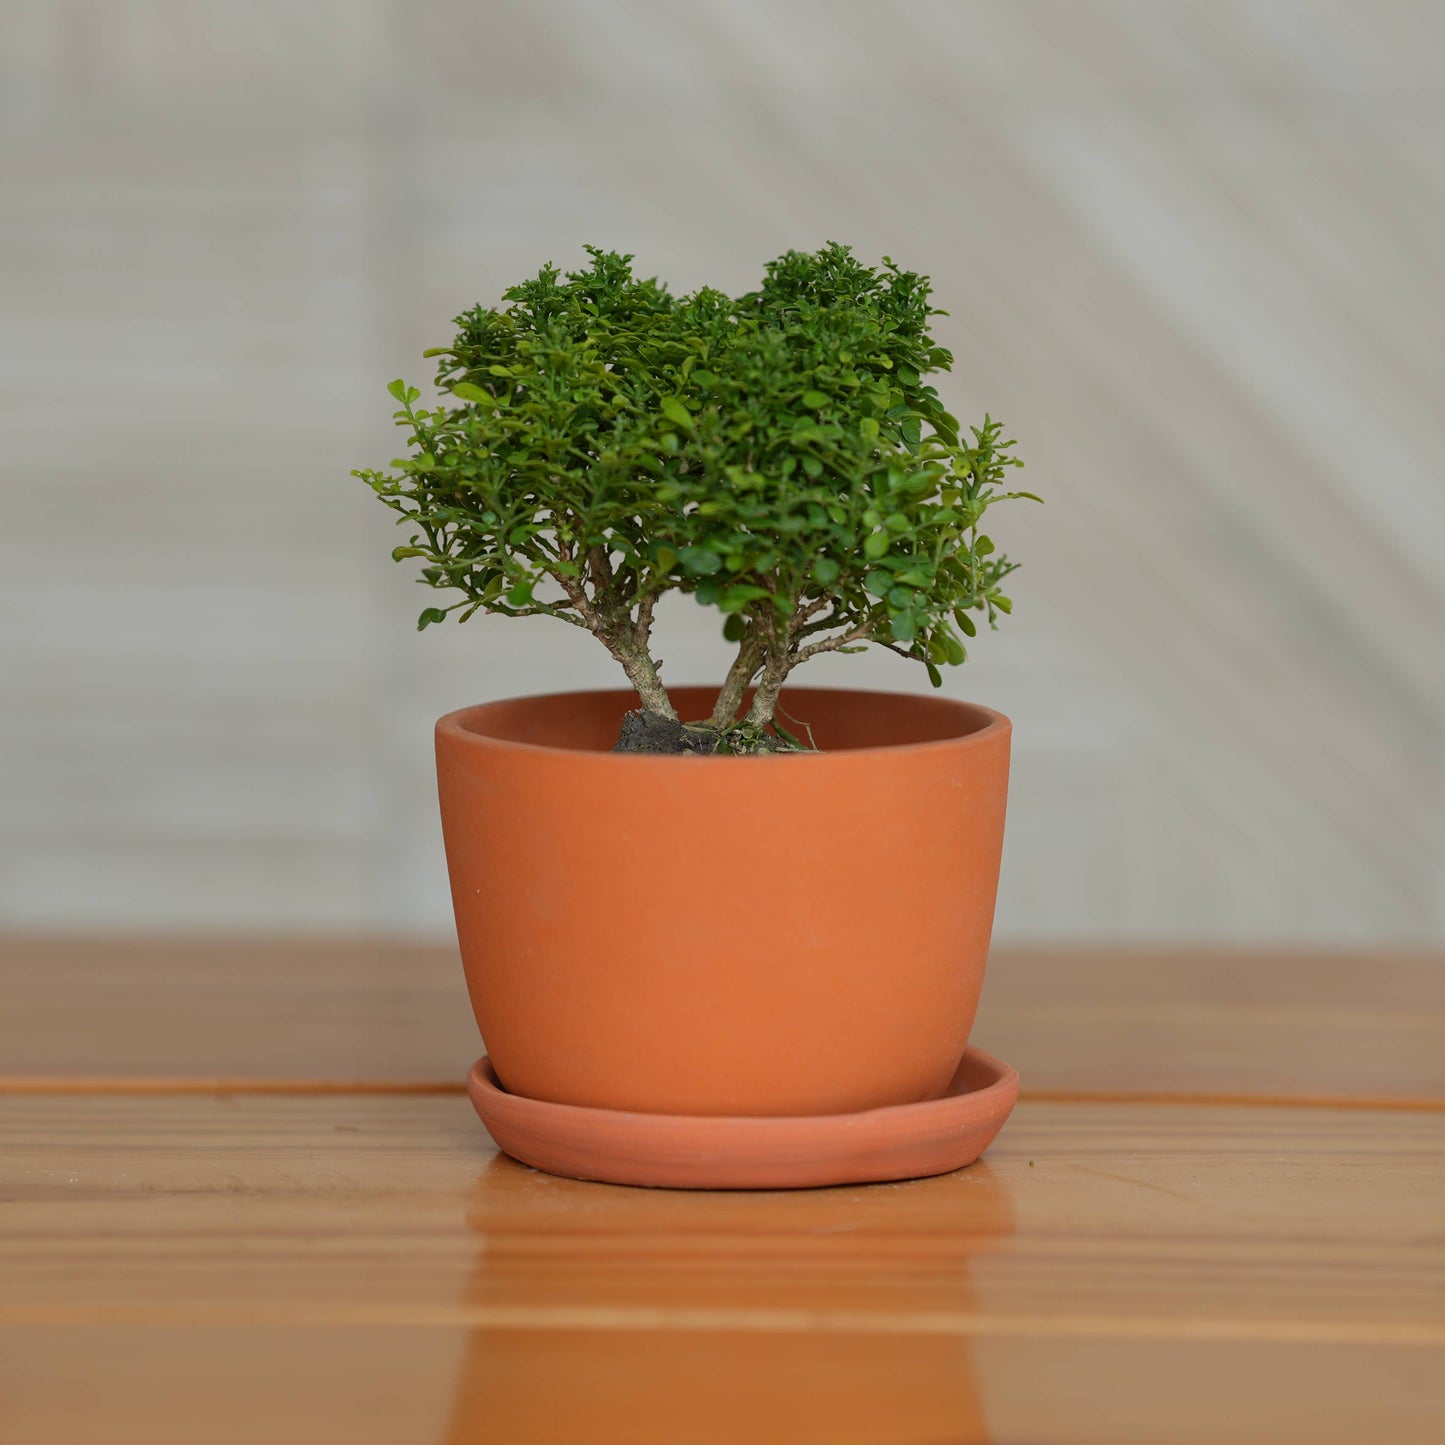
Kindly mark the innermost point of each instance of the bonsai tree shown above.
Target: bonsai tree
(599, 441)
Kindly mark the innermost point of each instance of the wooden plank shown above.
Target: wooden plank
(234, 1009)
(1275, 1023)
(1123, 1221)
(367, 1267)
(390, 1385)
(229, 1013)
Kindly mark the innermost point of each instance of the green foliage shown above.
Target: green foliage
(780, 456)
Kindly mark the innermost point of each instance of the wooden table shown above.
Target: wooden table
(242, 1198)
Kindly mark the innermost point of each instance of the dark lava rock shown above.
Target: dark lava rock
(646, 732)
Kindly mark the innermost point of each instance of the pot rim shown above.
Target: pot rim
(453, 725)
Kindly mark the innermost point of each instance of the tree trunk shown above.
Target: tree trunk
(740, 674)
(642, 674)
(765, 700)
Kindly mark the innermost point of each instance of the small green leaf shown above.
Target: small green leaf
(428, 616)
(699, 561)
(934, 675)
(954, 651)
(1002, 603)
(574, 420)
(734, 599)
(966, 624)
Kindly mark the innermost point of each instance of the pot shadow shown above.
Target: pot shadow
(650, 1315)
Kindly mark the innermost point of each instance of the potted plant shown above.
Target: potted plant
(702, 928)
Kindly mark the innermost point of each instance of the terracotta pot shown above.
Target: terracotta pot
(725, 936)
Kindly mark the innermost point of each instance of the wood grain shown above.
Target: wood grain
(400, 1385)
(234, 1009)
(366, 1267)
(286, 1226)
(1138, 1221)
(1345, 1026)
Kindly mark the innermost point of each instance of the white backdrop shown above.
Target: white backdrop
(1192, 252)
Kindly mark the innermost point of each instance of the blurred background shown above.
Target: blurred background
(1192, 253)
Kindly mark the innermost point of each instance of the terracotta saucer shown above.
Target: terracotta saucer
(677, 1151)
